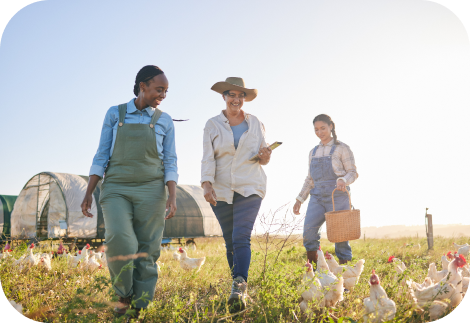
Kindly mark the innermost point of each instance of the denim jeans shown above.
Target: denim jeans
(236, 221)
(320, 203)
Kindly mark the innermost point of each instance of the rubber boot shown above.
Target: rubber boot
(312, 257)
(343, 261)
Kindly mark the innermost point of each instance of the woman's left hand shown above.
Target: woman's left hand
(264, 155)
(341, 185)
(171, 205)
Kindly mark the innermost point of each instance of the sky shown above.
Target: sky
(393, 75)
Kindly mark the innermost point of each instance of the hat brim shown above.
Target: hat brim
(221, 87)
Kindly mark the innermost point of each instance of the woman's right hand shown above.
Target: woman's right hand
(209, 193)
(86, 205)
(297, 207)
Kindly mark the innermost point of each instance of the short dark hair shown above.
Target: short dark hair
(228, 92)
(145, 74)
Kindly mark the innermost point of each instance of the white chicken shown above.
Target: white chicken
(190, 263)
(427, 282)
(310, 289)
(448, 288)
(80, 259)
(92, 263)
(351, 274)
(378, 306)
(333, 287)
(6, 252)
(463, 249)
(176, 256)
(45, 261)
(465, 281)
(437, 276)
(30, 259)
(398, 263)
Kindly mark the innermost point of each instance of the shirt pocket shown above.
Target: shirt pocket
(160, 134)
(251, 143)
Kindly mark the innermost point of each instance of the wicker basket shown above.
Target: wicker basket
(343, 225)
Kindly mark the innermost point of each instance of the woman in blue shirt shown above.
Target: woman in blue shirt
(137, 157)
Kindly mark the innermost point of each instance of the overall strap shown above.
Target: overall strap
(155, 117)
(332, 150)
(122, 113)
(314, 151)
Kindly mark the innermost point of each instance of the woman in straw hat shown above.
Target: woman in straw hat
(233, 184)
(137, 154)
(331, 165)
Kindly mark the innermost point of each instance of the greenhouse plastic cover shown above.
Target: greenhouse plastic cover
(54, 187)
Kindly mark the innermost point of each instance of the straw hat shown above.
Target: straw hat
(237, 84)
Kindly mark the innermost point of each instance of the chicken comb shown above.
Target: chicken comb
(32, 246)
(449, 254)
(319, 247)
(88, 246)
(390, 258)
(373, 271)
(463, 259)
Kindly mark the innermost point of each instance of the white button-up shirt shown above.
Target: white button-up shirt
(342, 161)
(229, 169)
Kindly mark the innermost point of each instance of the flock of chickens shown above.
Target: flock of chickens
(85, 259)
(439, 291)
(323, 287)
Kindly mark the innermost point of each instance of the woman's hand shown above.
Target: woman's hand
(209, 193)
(171, 201)
(86, 205)
(264, 155)
(171, 205)
(341, 185)
(297, 207)
(88, 199)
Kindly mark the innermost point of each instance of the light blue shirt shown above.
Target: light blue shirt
(164, 131)
(238, 131)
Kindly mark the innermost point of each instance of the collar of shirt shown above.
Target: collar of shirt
(131, 108)
(330, 143)
(224, 118)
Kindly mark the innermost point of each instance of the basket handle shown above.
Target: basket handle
(333, 198)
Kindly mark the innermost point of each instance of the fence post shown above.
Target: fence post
(429, 230)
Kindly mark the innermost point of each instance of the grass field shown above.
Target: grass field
(71, 295)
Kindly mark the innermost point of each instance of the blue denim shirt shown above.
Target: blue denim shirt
(165, 135)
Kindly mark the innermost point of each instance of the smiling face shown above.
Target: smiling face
(155, 91)
(234, 100)
(323, 130)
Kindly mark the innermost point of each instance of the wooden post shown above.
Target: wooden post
(429, 230)
(364, 237)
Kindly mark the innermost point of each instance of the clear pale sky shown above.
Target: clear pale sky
(393, 75)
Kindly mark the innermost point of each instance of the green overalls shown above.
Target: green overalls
(133, 199)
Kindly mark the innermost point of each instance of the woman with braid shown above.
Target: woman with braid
(331, 165)
(137, 158)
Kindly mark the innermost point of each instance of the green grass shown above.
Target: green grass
(71, 295)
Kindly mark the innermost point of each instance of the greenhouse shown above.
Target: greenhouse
(6, 206)
(48, 206)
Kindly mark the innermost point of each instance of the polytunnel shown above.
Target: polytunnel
(194, 216)
(6, 206)
(48, 206)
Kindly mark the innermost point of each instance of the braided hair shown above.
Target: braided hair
(145, 74)
(327, 119)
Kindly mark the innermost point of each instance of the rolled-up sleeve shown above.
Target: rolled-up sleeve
(100, 161)
(169, 153)
(308, 183)
(208, 160)
(348, 164)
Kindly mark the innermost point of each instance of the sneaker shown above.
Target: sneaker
(236, 301)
